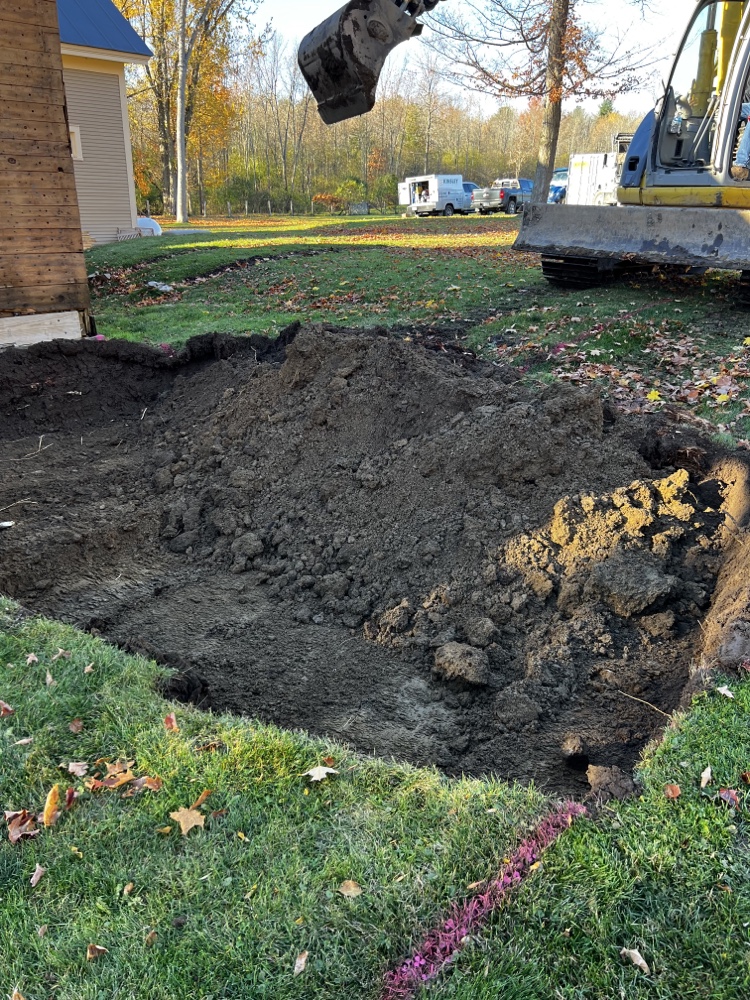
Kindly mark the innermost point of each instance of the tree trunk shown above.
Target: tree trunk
(181, 201)
(553, 100)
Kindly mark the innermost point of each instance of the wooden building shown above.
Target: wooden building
(43, 286)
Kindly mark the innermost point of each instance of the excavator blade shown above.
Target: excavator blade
(342, 58)
(632, 234)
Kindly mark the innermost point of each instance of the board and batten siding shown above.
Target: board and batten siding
(103, 178)
(42, 268)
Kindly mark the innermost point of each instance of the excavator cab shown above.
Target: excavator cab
(342, 58)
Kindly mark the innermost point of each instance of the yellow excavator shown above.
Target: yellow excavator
(684, 191)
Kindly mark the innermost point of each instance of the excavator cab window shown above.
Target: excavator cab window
(689, 112)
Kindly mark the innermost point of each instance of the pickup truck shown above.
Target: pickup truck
(507, 195)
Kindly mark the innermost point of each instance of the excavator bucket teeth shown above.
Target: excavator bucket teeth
(342, 58)
(691, 237)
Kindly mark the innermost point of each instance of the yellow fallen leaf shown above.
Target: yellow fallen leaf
(50, 814)
(187, 819)
(653, 396)
(129, 887)
(74, 850)
(164, 830)
(350, 889)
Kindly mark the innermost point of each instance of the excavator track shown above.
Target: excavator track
(579, 272)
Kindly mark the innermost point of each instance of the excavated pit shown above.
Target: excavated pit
(396, 546)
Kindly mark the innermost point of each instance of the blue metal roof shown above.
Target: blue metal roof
(98, 24)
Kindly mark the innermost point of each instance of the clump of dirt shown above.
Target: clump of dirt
(359, 536)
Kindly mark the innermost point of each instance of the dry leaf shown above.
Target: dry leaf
(31, 658)
(164, 830)
(6, 710)
(187, 819)
(51, 813)
(319, 773)
(74, 850)
(329, 761)
(301, 962)
(89, 668)
(24, 742)
(76, 726)
(350, 889)
(21, 825)
(706, 777)
(636, 958)
(50, 680)
(41, 931)
(151, 939)
(725, 691)
(61, 654)
(730, 796)
(201, 798)
(95, 951)
(70, 796)
(119, 766)
(79, 768)
(17, 995)
(118, 780)
(211, 747)
(37, 876)
(128, 888)
(746, 777)
(170, 723)
(672, 791)
(219, 813)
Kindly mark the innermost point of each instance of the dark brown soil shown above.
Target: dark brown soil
(301, 526)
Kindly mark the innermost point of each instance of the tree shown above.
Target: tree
(535, 49)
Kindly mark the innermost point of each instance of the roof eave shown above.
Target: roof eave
(108, 55)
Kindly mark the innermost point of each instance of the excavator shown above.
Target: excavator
(684, 190)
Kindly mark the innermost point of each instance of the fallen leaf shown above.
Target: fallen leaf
(24, 742)
(636, 958)
(329, 761)
(164, 830)
(74, 850)
(350, 889)
(672, 791)
(76, 726)
(79, 768)
(241, 835)
(653, 396)
(118, 780)
(219, 813)
(746, 777)
(151, 939)
(128, 888)
(706, 777)
(51, 813)
(187, 819)
(730, 796)
(319, 773)
(50, 680)
(17, 995)
(95, 951)
(211, 747)
(70, 796)
(89, 668)
(41, 931)
(301, 962)
(170, 723)
(6, 710)
(21, 825)
(37, 876)
(118, 767)
(31, 658)
(61, 654)
(201, 798)
(725, 691)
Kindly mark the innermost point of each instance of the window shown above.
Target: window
(75, 142)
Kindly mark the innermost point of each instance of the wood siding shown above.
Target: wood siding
(42, 268)
(102, 178)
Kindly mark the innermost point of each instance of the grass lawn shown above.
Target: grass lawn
(225, 911)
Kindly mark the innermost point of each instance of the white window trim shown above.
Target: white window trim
(75, 142)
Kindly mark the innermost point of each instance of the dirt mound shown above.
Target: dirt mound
(357, 536)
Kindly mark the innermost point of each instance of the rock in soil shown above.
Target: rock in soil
(303, 527)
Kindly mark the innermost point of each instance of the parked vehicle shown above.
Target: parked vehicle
(504, 195)
(558, 189)
(436, 194)
(593, 178)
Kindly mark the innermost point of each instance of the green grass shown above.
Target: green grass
(231, 913)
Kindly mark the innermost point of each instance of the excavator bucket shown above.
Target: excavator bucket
(582, 244)
(342, 58)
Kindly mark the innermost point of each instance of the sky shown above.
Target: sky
(663, 26)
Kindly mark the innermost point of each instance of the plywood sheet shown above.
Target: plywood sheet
(22, 331)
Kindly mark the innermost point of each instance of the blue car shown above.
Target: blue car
(559, 186)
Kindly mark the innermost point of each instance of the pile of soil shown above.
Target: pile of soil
(359, 536)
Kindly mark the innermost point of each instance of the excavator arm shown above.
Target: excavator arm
(342, 58)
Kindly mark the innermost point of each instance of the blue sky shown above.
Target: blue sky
(294, 18)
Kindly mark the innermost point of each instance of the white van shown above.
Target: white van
(435, 194)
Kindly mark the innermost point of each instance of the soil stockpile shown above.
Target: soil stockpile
(354, 535)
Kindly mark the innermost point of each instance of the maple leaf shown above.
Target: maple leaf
(6, 710)
(319, 773)
(95, 951)
(730, 796)
(672, 791)
(301, 963)
(79, 768)
(21, 825)
(31, 658)
(350, 889)
(653, 396)
(37, 876)
(76, 726)
(636, 958)
(706, 777)
(51, 813)
(118, 780)
(187, 819)
(170, 723)
(61, 654)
